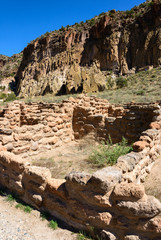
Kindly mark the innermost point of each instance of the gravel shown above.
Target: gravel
(15, 224)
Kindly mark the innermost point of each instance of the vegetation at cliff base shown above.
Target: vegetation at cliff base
(107, 154)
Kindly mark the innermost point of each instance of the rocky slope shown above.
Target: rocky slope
(79, 57)
(9, 65)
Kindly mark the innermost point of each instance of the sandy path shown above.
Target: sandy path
(15, 224)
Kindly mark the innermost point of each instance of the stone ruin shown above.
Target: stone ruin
(111, 203)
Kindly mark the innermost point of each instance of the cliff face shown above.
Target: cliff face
(78, 58)
(9, 65)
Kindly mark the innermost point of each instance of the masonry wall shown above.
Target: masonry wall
(38, 126)
(127, 121)
(111, 203)
(98, 203)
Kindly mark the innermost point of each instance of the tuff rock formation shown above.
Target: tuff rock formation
(78, 58)
(9, 65)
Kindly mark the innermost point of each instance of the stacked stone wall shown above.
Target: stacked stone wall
(111, 202)
(100, 203)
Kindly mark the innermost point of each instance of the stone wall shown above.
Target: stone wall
(99, 203)
(111, 203)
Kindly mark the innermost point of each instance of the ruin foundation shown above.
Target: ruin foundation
(111, 202)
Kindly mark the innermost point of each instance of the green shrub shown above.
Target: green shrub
(101, 14)
(27, 209)
(81, 23)
(150, 4)
(110, 82)
(10, 97)
(2, 88)
(10, 198)
(3, 96)
(83, 236)
(111, 14)
(92, 21)
(140, 92)
(142, 5)
(108, 154)
(77, 25)
(20, 206)
(53, 224)
(129, 12)
(12, 74)
(121, 82)
(24, 207)
(62, 28)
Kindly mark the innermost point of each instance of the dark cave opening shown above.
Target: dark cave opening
(47, 90)
(63, 90)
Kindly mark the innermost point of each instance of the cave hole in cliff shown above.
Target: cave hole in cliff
(62, 90)
(47, 90)
(79, 89)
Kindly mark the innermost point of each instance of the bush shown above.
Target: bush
(92, 21)
(121, 82)
(53, 224)
(108, 154)
(62, 28)
(3, 96)
(140, 92)
(10, 97)
(129, 12)
(150, 4)
(77, 25)
(10, 198)
(111, 14)
(12, 74)
(25, 208)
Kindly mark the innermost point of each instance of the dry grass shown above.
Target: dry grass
(70, 157)
(143, 86)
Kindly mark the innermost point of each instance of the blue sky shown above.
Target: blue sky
(22, 21)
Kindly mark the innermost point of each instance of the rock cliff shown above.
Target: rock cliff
(9, 65)
(79, 57)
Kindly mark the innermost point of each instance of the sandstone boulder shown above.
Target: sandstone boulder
(144, 208)
(140, 145)
(128, 192)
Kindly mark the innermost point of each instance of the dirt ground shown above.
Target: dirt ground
(72, 156)
(15, 224)
(153, 181)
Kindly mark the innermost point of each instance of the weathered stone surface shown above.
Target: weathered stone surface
(5, 131)
(78, 177)
(9, 147)
(75, 61)
(152, 133)
(3, 149)
(127, 162)
(153, 225)
(155, 125)
(34, 146)
(147, 208)
(128, 192)
(103, 180)
(7, 139)
(140, 145)
(132, 237)
(105, 235)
